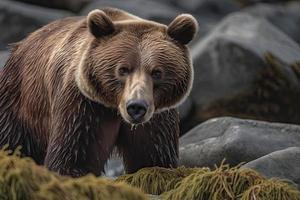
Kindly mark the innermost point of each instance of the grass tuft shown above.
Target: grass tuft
(22, 179)
(223, 182)
(157, 180)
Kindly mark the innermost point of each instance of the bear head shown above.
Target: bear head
(137, 66)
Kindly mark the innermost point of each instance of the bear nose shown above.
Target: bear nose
(137, 109)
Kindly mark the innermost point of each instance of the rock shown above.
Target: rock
(151, 10)
(184, 114)
(213, 8)
(236, 46)
(19, 19)
(73, 5)
(242, 68)
(284, 164)
(3, 57)
(153, 197)
(160, 11)
(185, 108)
(114, 167)
(283, 16)
(236, 140)
(251, 2)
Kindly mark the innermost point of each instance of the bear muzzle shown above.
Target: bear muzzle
(137, 109)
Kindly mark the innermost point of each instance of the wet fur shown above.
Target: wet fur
(42, 109)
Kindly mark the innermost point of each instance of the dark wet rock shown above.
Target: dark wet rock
(284, 164)
(235, 140)
(151, 10)
(17, 20)
(3, 57)
(283, 16)
(185, 111)
(185, 108)
(72, 5)
(244, 68)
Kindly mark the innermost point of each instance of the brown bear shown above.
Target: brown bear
(75, 89)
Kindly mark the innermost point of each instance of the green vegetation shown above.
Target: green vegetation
(222, 183)
(157, 180)
(22, 179)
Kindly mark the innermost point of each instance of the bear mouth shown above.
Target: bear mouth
(136, 122)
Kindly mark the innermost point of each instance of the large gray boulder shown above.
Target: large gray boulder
(3, 58)
(17, 20)
(212, 8)
(284, 164)
(242, 68)
(151, 10)
(231, 55)
(283, 16)
(73, 5)
(235, 140)
(251, 2)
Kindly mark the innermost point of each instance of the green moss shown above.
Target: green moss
(296, 69)
(157, 180)
(201, 183)
(221, 183)
(22, 179)
(271, 190)
(87, 188)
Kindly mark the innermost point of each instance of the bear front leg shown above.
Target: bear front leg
(77, 144)
(152, 144)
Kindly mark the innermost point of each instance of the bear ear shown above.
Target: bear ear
(99, 23)
(183, 28)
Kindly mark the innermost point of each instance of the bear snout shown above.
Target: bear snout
(137, 109)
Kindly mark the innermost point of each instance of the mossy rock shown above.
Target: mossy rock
(201, 183)
(22, 179)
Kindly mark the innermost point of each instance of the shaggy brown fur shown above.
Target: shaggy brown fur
(60, 96)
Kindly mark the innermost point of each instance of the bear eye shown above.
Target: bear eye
(156, 74)
(123, 71)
